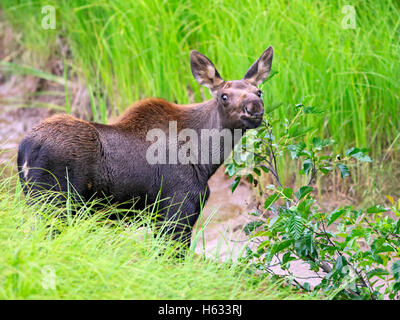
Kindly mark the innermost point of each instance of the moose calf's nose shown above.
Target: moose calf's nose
(254, 108)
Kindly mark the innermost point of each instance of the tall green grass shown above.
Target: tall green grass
(127, 50)
(47, 253)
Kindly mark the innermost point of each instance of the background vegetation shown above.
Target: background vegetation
(127, 50)
(48, 253)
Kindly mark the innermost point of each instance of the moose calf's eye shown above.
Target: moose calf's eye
(259, 93)
(224, 97)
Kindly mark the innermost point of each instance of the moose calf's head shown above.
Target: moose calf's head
(239, 101)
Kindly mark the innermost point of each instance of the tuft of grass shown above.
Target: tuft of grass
(48, 253)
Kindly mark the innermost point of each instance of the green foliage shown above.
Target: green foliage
(126, 50)
(49, 253)
(354, 253)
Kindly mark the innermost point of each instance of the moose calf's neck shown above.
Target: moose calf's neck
(217, 138)
(202, 118)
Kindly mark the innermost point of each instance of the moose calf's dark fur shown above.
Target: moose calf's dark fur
(110, 160)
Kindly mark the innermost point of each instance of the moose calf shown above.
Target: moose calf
(97, 160)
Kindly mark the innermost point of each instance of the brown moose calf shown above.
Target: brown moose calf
(96, 160)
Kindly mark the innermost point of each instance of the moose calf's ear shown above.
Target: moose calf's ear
(204, 71)
(260, 69)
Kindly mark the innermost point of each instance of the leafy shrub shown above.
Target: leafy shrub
(352, 252)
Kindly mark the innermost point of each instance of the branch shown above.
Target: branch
(313, 174)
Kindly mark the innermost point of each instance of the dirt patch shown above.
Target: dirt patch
(14, 124)
(224, 217)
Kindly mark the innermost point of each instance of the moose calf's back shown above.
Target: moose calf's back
(98, 159)
(59, 144)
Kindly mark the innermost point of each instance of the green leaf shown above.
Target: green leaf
(296, 226)
(287, 258)
(335, 215)
(306, 286)
(272, 107)
(251, 226)
(270, 200)
(395, 268)
(263, 244)
(312, 110)
(325, 170)
(303, 191)
(377, 272)
(288, 193)
(376, 209)
(319, 143)
(298, 131)
(280, 246)
(397, 227)
(358, 154)
(344, 171)
(235, 183)
(307, 166)
(380, 245)
(362, 157)
(230, 170)
(308, 109)
(250, 178)
(304, 207)
(385, 247)
(296, 150)
(340, 263)
(305, 246)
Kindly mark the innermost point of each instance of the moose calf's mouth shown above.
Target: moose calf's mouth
(251, 122)
(251, 117)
